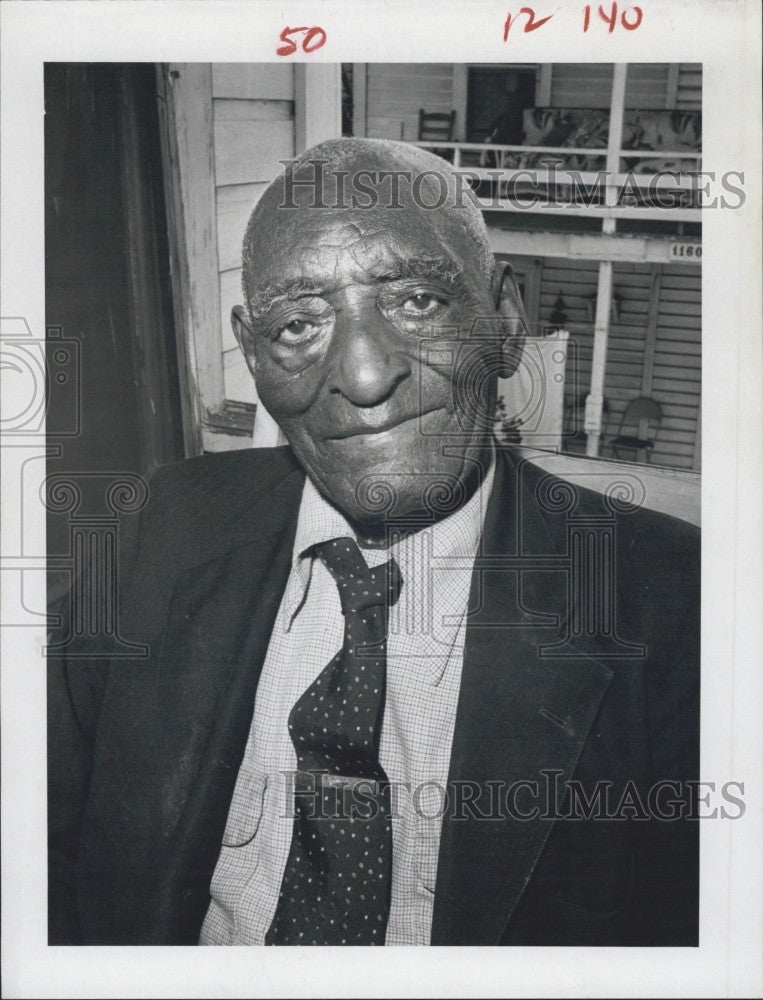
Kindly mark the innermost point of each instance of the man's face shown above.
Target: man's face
(374, 343)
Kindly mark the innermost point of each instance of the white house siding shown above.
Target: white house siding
(678, 365)
(589, 85)
(689, 86)
(396, 91)
(673, 378)
(253, 120)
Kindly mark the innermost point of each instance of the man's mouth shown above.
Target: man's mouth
(369, 429)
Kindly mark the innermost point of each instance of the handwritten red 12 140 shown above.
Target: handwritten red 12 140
(630, 18)
(314, 38)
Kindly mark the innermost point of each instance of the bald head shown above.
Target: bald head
(394, 182)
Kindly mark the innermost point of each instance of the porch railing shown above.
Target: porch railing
(554, 188)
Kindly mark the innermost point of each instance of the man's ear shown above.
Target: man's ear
(244, 335)
(508, 304)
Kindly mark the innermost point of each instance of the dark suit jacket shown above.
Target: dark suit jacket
(144, 752)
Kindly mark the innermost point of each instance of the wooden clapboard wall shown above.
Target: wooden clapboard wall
(396, 91)
(648, 85)
(589, 85)
(253, 128)
(654, 345)
(689, 86)
(676, 379)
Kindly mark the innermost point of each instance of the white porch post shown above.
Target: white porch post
(615, 139)
(595, 399)
(317, 103)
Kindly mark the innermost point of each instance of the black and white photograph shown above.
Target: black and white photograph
(377, 583)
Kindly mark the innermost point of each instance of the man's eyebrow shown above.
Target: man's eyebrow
(291, 288)
(420, 268)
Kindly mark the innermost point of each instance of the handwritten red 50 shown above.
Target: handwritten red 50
(314, 38)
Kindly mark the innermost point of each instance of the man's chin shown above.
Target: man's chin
(384, 496)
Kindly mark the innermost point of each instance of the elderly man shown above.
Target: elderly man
(382, 700)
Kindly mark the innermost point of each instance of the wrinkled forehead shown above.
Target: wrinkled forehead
(357, 247)
(330, 245)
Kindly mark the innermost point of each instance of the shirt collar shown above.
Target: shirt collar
(455, 537)
(317, 522)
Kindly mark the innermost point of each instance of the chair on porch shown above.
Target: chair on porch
(434, 125)
(643, 417)
(437, 126)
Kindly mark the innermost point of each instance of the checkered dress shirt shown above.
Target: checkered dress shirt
(425, 649)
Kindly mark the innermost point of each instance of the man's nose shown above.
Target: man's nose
(367, 364)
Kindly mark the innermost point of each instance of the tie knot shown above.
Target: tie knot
(359, 586)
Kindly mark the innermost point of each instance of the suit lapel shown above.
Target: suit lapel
(211, 686)
(194, 704)
(518, 716)
(231, 630)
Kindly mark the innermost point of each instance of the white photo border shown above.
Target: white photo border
(725, 38)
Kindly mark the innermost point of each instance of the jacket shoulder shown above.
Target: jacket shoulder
(199, 506)
(249, 469)
(656, 556)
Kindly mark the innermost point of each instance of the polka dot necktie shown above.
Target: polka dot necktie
(336, 884)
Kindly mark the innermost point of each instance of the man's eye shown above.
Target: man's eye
(296, 327)
(295, 331)
(422, 304)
